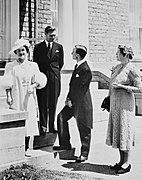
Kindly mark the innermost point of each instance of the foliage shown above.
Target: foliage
(28, 172)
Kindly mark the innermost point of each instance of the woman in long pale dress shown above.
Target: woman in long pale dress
(20, 80)
(125, 80)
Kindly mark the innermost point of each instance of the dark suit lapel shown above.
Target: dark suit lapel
(44, 45)
(80, 67)
(54, 48)
(45, 49)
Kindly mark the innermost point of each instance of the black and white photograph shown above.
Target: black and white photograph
(70, 89)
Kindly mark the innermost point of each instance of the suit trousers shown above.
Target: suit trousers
(63, 130)
(47, 101)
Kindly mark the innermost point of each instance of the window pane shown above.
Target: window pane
(27, 18)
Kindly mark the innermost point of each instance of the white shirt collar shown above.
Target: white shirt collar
(51, 43)
(80, 62)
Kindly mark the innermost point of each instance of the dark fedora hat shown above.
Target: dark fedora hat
(49, 29)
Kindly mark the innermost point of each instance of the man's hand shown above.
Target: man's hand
(68, 102)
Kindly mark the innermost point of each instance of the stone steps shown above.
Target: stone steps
(44, 140)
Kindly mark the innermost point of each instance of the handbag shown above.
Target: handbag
(106, 104)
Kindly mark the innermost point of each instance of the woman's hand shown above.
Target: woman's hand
(68, 102)
(117, 85)
(9, 100)
(31, 88)
(9, 97)
(37, 112)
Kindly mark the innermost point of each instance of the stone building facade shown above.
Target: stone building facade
(101, 25)
(108, 27)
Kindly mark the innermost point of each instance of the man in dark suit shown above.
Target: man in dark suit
(78, 104)
(49, 56)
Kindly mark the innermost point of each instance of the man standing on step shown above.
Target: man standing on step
(78, 104)
(49, 56)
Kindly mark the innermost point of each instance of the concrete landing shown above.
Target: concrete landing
(44, 140)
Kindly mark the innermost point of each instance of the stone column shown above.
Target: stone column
(12, 23)
(80, 23)
(65, 31)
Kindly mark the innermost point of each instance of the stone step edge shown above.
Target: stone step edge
(41, 157)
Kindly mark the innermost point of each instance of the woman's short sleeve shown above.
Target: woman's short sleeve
(136, 77)
(6, 81)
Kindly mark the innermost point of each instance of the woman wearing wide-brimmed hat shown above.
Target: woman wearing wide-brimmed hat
(20, 81)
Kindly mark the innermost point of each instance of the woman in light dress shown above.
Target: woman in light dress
(125, 79)
(20, 81)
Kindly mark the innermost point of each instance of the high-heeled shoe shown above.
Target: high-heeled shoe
(124, 170)
(116, 167)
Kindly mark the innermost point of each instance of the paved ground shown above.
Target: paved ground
(101, 156)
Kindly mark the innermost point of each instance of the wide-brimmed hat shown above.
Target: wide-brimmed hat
(19, 43)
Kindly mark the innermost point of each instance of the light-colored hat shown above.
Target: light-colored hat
(19, 43)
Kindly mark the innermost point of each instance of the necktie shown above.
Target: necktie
(49, 49)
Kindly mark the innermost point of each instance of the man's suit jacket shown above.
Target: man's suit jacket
(80, 96)
(50, 65)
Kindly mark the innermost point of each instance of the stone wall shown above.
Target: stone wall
(44, 16)
(108, 27)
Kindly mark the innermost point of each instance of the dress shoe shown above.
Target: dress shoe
(28, 153)
(59, 148)
(81, 159)
(124, 170)
(116, 167)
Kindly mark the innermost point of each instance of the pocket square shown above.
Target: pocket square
(77, 75)
(57, 51)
